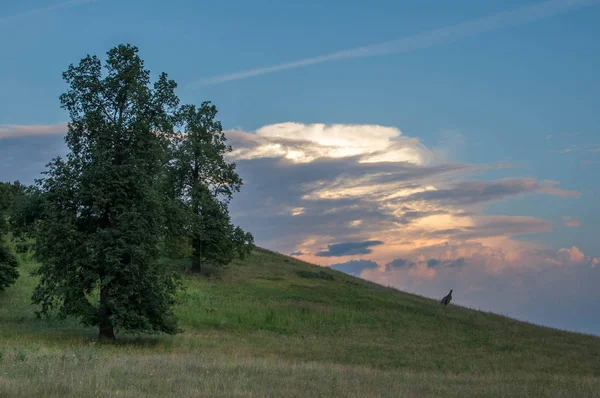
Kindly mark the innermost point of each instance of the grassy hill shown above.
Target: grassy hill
(276, 326)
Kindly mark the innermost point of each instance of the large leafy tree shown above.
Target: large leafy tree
(205, 182)
(104, 207)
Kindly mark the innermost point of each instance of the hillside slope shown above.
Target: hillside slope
(275, 326)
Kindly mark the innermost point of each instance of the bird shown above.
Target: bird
(446, 300)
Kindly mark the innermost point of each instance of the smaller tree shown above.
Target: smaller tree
(8, 267)
(25, 212)
(9, 194)
(215, 239)
(205, 182)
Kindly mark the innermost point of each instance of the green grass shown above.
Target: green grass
(275, 326)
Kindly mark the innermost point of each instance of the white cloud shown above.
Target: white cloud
(302, 143)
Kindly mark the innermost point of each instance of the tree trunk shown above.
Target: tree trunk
(107, 331)
(196, 255)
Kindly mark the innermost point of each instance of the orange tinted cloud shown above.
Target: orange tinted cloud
(328, 188)
(16, 131)
(570, 222)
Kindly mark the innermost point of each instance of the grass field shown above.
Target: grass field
(275, 326)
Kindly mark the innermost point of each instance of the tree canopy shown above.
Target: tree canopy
(103, 210)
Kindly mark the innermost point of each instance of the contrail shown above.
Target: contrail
(430, 38)
(64, 4)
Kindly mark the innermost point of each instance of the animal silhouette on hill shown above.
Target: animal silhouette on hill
(446, 300)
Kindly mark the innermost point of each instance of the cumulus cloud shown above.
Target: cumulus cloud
(18, 131)
(309, 185)
(302, 143)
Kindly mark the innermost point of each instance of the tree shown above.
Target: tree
(9, 194)
(25, 211)
(8, 267)
(205, 182)
(103, 207)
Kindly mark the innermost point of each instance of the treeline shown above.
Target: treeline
(145, 176)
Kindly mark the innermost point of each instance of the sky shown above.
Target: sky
(423, 145)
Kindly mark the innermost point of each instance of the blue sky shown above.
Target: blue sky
(523, 93)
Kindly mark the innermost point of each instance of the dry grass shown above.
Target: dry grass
(93, 371)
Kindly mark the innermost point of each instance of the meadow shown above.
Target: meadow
(275, 326)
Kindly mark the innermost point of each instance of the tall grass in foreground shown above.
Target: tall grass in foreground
(90, 371)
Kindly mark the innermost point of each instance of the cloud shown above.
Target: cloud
(349, 249)
(354, 267)
(472, 192)
(303, 143)
(17, 131)
(581, 148)
(494, 226)
(426, 39)
(314, 177)
(429, 263)
(552, 287)
(298, 253)
(24, 158)
(571, 222)
(458, 260)
(56, 6)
